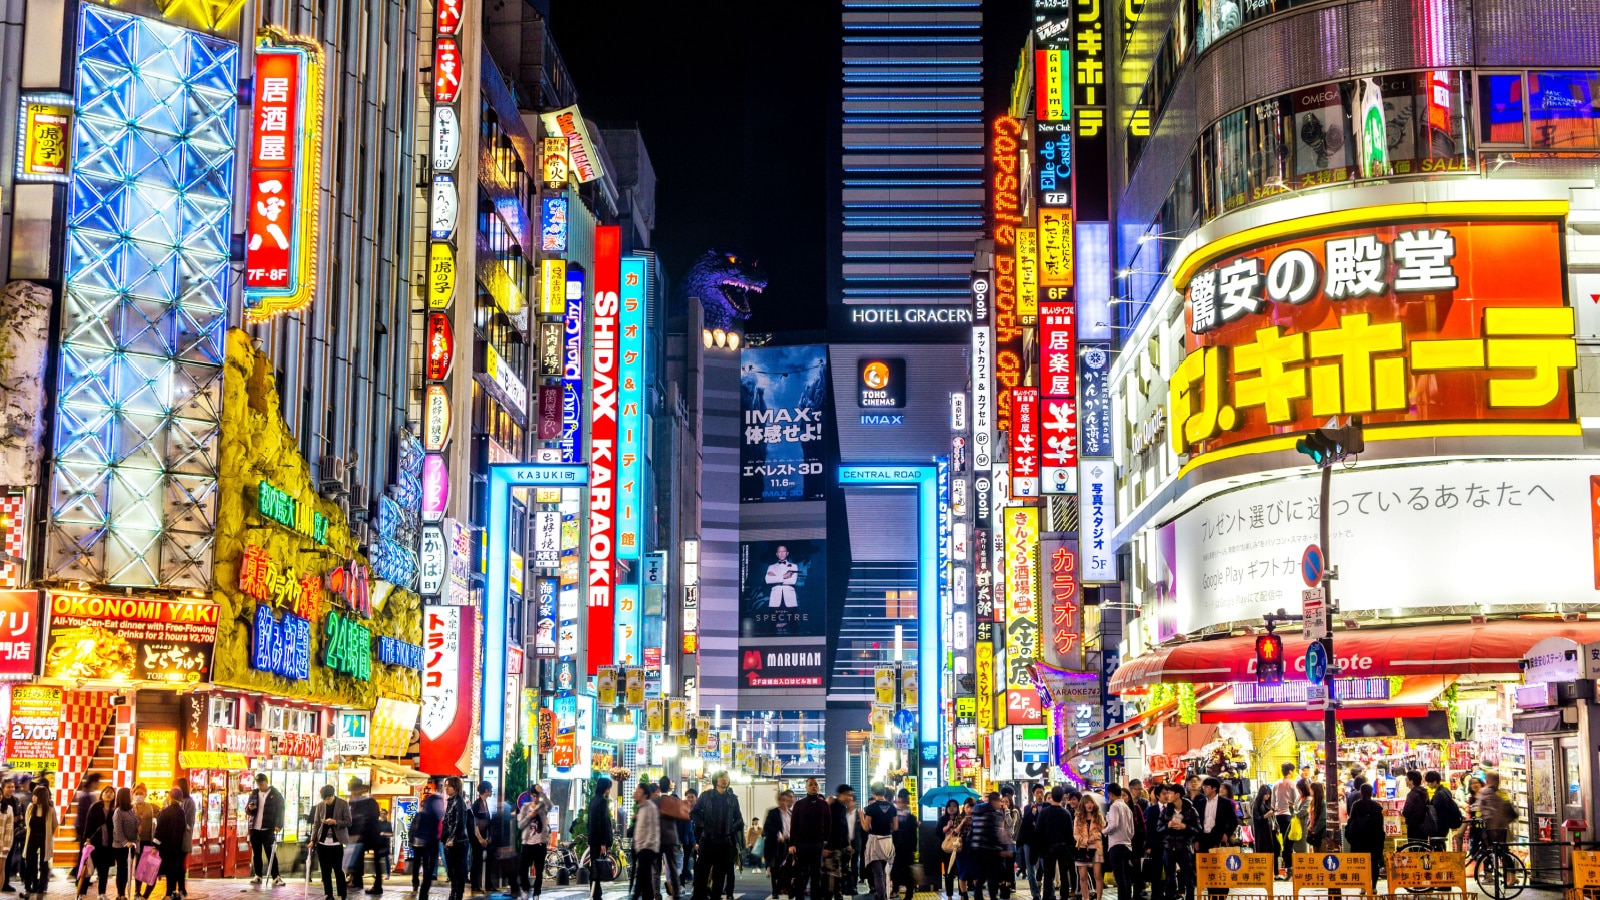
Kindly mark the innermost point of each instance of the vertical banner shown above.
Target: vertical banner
(449, 665)
(784, 396)
(571, 442)
(1098, 521)
(1024, 442)
(630, 417)
(284, 179)
(1058, 426)
(1021, 525)
(601, 579)
(1063, 607)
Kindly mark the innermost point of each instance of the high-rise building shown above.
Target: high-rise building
(910, 170)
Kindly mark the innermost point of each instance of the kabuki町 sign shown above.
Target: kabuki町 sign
(1441, 321)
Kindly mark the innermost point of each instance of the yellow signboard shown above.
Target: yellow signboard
(605, 686)
(155, 754)
(1228, 868)
(46, 140)
(557, 160)
(1055, 248)
(908, 686)
(1332, 870)
(552, 287)
(633, 682)
(655, 715)
(677, 715)
(212, 759)
(1027, 272)
(1021, 524)
(1413, 871)
(441, 275)
(984, 670)
(883, 685)
(1586, 869)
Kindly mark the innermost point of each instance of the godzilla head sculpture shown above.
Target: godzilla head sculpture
(724, 282)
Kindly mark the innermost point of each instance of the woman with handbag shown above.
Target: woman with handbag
(969, 864)
(97, 854)
(534, 831)
(145, 811)
(1300, 825)
(39, 837)
(1087, 829)
(949, 845)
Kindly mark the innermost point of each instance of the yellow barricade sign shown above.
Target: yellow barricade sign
(1317, 871)
(1227, 867)
(1586, 869)
(1428, 870)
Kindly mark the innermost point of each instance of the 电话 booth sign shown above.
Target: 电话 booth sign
(1427, 321)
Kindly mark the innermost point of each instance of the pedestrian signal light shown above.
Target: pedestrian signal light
(1269, 659)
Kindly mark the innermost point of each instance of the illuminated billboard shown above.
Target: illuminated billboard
(783, 397)
(1456, 323)
(603, 372)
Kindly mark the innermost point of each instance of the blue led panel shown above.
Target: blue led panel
(133, 492)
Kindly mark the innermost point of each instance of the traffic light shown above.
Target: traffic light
(1332, 442)
(1269, 659)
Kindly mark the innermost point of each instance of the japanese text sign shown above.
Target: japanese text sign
(1433, 321)
(1063, 607)
(19, 634)
(1025, 442)
(1226, 868)
(449, 668)
(1421, 871)
(1021, 524)
(1332, 870)
(285, 167)
(130, 639)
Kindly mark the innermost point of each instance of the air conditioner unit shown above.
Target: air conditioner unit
(332, 474)
(360, 499)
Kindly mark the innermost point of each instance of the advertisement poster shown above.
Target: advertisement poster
(783, 588)
(775, 667)
(783, 395)
(449, 639)
(129, 639)
(35, 726)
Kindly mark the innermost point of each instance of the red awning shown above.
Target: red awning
(1493, 648)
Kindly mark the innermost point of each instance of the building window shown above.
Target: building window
(1561, 110)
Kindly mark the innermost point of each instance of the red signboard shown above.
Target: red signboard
(447, 16)
(1024, 442)
(19, 634)
(449, 666)
(1435, 321)
(446, 70)
(1004, 217)
(1058, 334)
(274, 148)
(603, 446)
(441, 346)
(295, 743)
(1058, 426)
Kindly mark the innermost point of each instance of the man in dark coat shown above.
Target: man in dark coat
(1178, 826)
(602, 831)
(983, 840)
(1029, 856)
(719, 830)
(777, 836)
(264, 818)
(905, 845)
(1418, 812)
(1052, 835)
(809, 824)
(843, 828)
(365, 819)
(1218, 820)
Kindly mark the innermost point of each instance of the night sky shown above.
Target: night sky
(734, 99)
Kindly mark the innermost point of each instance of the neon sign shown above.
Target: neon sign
(277, 505)
(348, 648)
(603, 446)
(282, 646)
(280, 263)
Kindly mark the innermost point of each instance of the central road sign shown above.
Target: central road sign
(1311, 565)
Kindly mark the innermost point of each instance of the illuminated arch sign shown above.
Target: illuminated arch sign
(280, 256)
(502, 478)
(923, 479)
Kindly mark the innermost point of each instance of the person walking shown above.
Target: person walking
(1446, 812)
(669, 835)
(1179, 827)
(146, 813)
(1472, 786)
(1137, 803)
(1421, 821)
(949, 823)
(1053, 837)
(905, 846)
(366, 824)
(1119, 841)
(425, 829)
(330, 834)
(1087, 831)
(1364, 830)
(687, 838)
(264, 814)
(646, 843)
(38, 841)
(1495, 809)
(1027, 822)
(983, 840)
(843, 826)
(171, 833)
(808, 836)
(718, 827)
(479, 850)
(455, 834)
(777, 832)
(1284, 796)
(88, 795)
(601, 830)
(97, 843)
(124, 838)
(533, 830)
(186, 803)
(878, 820)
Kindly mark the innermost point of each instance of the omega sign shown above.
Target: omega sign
(911, 315)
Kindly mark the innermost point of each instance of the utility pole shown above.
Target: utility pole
(1328, 446)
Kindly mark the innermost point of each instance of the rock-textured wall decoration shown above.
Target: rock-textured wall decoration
(258, 446)
(24, 349)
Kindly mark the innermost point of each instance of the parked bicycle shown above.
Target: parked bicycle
(1500, 873)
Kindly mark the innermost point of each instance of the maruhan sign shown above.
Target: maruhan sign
(911, 315)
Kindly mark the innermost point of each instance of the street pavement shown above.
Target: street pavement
(750, 885)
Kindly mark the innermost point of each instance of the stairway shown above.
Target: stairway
(104, 764)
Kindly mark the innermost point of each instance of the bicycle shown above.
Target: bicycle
(1500, 873)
